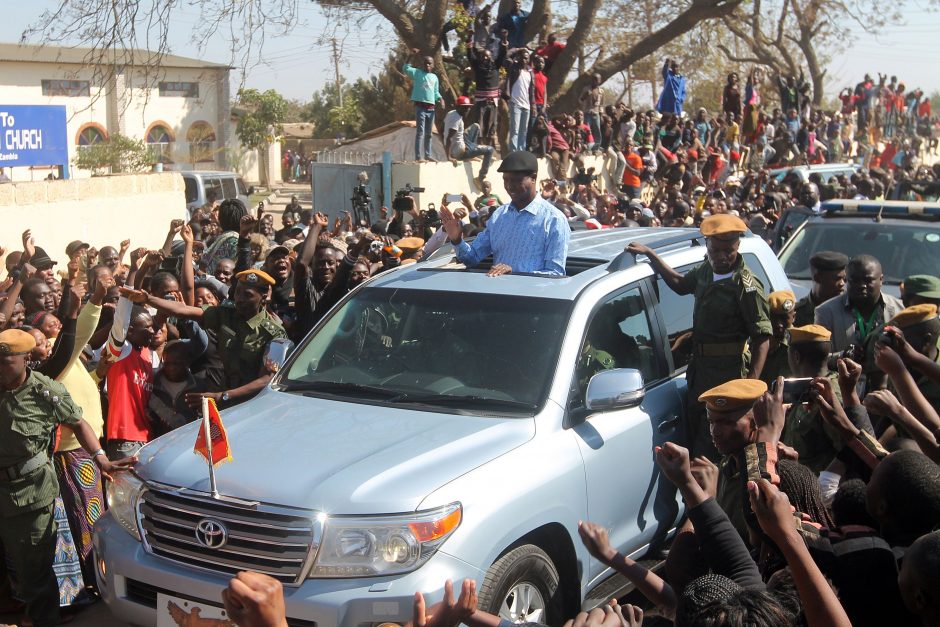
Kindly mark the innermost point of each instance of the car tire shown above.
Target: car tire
(522, 586)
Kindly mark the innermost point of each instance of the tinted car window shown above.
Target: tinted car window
(192, 190)
(902, 248)
(620, 335)
(240, 185)
(213, 185)
(228, 188)
(437, 347)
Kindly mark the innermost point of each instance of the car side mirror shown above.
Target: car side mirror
(614, 389)
(251, 190)
(279, 349)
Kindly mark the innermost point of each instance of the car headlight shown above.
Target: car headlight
(123, 493)
(383, 545)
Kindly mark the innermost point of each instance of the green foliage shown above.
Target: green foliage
(118, 154)
(935, 101)
(367, 103)
(261, 115)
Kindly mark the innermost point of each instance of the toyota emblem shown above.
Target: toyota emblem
(211, 533)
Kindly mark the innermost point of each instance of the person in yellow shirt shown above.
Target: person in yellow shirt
(79, 477)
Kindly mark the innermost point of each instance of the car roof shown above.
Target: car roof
(591, 256)
(209, 173)
(817, 167)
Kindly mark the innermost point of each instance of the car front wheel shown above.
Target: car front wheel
(522, 587)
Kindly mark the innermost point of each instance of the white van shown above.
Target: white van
(222, 185)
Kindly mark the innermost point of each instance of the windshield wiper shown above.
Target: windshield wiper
(469, 401)
(340, 387)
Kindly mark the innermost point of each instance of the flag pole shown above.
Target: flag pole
(207, 431)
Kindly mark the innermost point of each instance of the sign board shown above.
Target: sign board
(33, 135)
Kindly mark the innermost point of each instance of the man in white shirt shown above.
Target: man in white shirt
(460, 144)
(521, 95)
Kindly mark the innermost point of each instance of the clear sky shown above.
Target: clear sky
(299, 64)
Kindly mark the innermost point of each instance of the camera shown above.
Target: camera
(408, 190)
(361, 200)
(402, 194)
(888, 339)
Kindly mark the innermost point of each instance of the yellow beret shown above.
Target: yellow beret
(16, 342)
(723, 226)
(255, 278)
(735, 395)
(914, 314)
(810, 333)
(410, 243)
(781, 302)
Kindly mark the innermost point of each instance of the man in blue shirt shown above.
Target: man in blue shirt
(514, 23)
(526, 235)
(425, 92)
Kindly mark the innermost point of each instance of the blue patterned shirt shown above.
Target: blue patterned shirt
(532, 239)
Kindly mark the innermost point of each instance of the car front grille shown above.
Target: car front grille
(276, 541)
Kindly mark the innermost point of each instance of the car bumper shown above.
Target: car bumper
(132, 578)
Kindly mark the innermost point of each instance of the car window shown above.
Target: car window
(439, 347)
(618, 336)
(240, 185)
(677, 313)
(192, 190)
(213, 185)
(902, 248)
(228, 188)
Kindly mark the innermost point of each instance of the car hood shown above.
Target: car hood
(332, 456)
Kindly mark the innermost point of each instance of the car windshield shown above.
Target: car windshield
(460, 351)
(902, 248)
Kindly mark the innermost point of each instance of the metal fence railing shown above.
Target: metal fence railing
(346, 157)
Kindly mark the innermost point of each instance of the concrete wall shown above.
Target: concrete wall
(102, 211)
(444, 178)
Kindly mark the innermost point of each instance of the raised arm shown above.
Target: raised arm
(187, 278)
(170, 307)
(672, 278)
(317, 223)
(820, 604)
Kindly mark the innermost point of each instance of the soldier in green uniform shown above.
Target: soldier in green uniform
(920, 288)
(782, 313)
(32, 406)
(805, 430)
(730, 310)
(730, 408)
(920, 327)
(828, 273)
(592, 361)
(243, 328)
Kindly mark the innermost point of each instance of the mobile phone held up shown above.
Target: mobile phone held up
(795, 390)
(454, 198)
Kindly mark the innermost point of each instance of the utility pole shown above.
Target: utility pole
(339, 87)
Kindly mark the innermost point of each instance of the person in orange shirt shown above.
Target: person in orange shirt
(631, 172)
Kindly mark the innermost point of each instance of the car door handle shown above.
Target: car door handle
(668, 424)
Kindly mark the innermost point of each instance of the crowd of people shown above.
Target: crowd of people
(768, 121)
(810, 472)
(120, 346)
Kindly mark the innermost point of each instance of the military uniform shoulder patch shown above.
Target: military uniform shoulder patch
(748, 281)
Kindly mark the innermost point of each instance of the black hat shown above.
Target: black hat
(41, 260)
(828, 260)
(74, 247)
(519, 161)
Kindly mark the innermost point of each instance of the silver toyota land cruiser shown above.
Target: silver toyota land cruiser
(437, 424)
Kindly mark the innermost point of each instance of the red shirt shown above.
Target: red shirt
(540, 80)
(635, 161)
(130, 382)
(550, 51)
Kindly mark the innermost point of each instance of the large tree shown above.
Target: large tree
(789, 35)
(108, 25)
